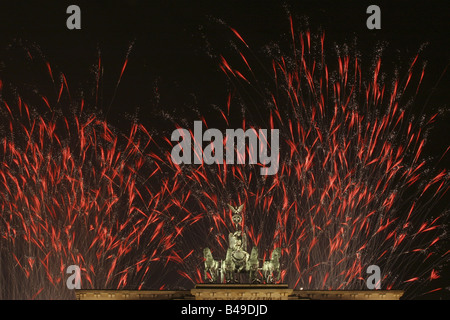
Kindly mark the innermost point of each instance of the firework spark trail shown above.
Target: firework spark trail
(352, 188)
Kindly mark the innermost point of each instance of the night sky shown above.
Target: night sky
(176, 45)
(170, 52)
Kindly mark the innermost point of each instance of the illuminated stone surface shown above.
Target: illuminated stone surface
(239, 292)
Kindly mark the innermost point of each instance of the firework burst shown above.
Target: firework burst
(352, 189)
(74, 191)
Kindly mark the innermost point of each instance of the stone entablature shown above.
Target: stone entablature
(239, 292)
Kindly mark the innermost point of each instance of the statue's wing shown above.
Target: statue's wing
(237, 209)
(232, 208)
(231, 240)
(244, 241)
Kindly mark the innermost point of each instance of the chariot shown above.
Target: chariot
(239, 265)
